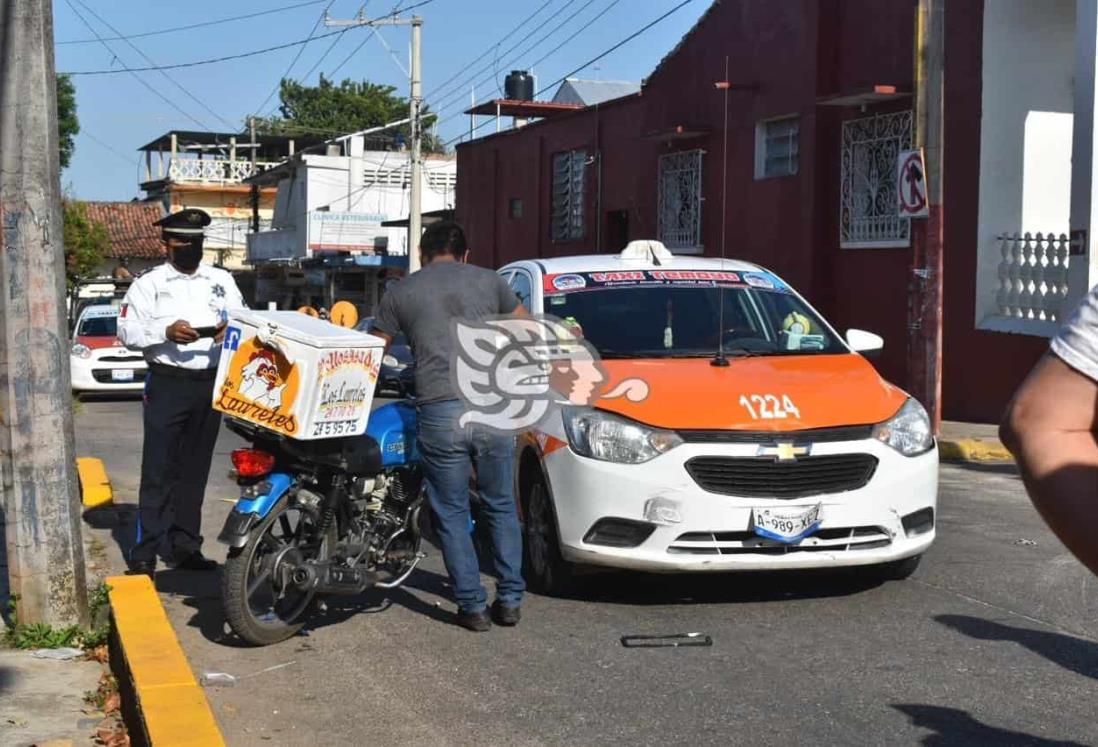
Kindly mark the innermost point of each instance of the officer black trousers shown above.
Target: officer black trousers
(180, 432)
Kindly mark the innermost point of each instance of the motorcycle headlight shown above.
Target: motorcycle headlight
(601, 435)
(908, 431)
(81, 350)
(390, 361)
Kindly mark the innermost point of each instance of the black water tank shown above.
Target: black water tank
(519, 86)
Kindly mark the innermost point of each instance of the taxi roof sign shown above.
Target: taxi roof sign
(647, 250)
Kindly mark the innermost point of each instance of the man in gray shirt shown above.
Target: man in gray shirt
(424, 306)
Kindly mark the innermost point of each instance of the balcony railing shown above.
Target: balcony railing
(1033, 283)
(212, 171)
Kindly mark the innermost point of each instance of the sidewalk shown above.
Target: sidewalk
(971, 442)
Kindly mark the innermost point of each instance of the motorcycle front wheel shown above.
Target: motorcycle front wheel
(262, 604)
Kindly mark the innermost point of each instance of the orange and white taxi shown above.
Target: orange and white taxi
(752, 436)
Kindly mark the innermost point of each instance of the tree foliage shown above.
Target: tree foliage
(68, 125)
(337, 109)
(86, 241)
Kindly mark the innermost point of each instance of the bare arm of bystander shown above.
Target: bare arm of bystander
(1051, 427)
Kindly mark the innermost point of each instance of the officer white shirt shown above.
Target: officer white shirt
(164, 295)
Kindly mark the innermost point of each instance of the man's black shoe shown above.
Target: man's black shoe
(505, 615)
(196, 561)
(142, 568)
(478, 622)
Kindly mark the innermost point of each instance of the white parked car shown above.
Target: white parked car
(796, 454)
(100, 362)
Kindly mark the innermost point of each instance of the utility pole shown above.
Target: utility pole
(415, 97)
(415, 198)
(924, 350)
(40, 507)
(254, 194)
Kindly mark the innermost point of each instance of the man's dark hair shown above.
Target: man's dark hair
(444, 237)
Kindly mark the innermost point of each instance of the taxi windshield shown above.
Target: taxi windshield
(682, 320)
(98, 326)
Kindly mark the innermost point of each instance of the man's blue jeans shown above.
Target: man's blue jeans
(448, 454)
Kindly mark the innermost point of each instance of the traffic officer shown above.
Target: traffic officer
(176, 315)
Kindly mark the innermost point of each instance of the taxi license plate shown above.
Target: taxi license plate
(786, 524)
(122, 374)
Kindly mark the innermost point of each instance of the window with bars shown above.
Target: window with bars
(680, 200)
(777, 147)
(868, 216)
(567, 213)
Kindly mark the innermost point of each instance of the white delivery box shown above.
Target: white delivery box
(292, 374)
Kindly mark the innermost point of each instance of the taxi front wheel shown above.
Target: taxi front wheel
(545, 569)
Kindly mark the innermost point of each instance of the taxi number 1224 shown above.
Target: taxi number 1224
(769, 406)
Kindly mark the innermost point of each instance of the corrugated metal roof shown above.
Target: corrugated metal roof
(590, 92)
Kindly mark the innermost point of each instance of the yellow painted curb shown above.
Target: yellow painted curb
(170, 703)
(95, 487)
(972, 450)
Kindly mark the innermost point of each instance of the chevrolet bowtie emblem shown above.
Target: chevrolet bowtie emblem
(784, 452)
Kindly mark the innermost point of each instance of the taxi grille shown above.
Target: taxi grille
(832, 539)
(121, 358)
(763, 477)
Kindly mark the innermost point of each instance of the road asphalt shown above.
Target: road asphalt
(994, 640)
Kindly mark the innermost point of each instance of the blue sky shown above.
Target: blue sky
(118, 114)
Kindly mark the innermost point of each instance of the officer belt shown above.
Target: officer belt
(176, 372)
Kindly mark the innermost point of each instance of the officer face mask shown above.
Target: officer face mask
(186, 254)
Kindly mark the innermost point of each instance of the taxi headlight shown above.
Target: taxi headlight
(391, 361)
(80, 350)
(908, 431)
(600, 435)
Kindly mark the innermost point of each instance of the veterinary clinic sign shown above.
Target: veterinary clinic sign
(346, 232)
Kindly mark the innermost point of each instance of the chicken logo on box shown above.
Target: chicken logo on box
(261, 386)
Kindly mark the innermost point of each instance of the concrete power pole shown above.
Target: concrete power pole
(924, 352)
(40, 510)
(415, 198)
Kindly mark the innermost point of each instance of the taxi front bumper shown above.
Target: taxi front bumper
(98, 373)
(607, 513)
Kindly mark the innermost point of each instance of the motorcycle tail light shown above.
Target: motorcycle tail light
(252, 463)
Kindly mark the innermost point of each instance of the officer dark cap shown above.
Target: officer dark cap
(190, 222)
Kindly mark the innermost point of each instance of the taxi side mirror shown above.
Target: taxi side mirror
(866, 343)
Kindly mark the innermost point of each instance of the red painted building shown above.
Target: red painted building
(820, 105)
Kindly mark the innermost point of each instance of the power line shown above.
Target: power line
(297, 57)
(488, 78)
(504, 38)
(324, 56)
(176, 29)
(136, 77)
(209, 61)
(590, 62)
(459, 90)
(170, 79)
(107, 146)
(361, 44)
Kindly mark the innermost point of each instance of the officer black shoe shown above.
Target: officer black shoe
(478, 622)
(196, 561)
(506, 615)
(142, 568)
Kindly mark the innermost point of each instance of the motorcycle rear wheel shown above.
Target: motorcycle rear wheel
(261, 604)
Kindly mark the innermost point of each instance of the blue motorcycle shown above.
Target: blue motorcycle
(334, 516)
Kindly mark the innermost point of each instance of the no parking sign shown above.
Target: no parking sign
(911, 194)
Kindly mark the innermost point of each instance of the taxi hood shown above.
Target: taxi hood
(766, 393)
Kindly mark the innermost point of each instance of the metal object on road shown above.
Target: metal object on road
(674, 640)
